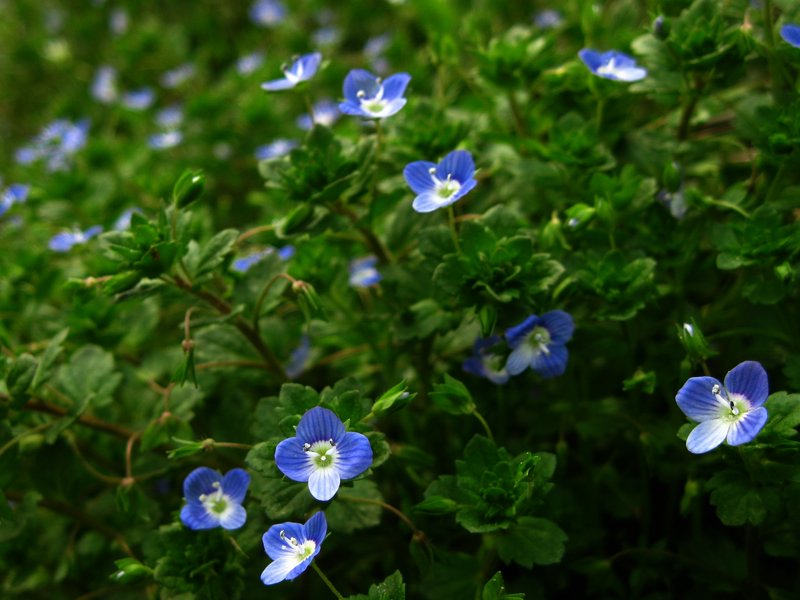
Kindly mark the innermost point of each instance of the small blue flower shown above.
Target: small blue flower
(118, 21)
(299, 358)
(140, 99)
(791, 34)
(674, 201)
(538, 343)
(613, 65)
(164, 140)
(302, 69)
(250, 63)
(326, 36)
(56, 144)
(363, 272)
(275, 149)
(323, 453)
(16, 193)
(325, 112)
(292, 547)
(733, 411)
(267, 12)
(365, 95)
(64, 241)
(213, 500)
(547, 19)
(485, 364)
(374, 51)
(123, 222)
(104, 85)
(440, 185)
(178, 76)
(286, 252)
(243, 264)
(170, 117)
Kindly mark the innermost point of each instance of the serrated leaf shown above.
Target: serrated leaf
(530, 541)
(51, 353)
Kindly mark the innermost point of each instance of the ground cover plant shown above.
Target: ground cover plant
(399, 299)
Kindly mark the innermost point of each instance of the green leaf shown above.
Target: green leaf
(737, 498)
(90, 371)
(355, 507)
(531, 541)
(51, 353)
(19, 378)
(452, 396)
(392, 588)
(495, 589)
(392, 400)
(784, 415)
(204, 260)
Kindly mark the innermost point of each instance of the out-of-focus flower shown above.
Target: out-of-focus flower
(55, 145)
(674, 201)
(213, 500)
(292, 547)
(118, 21)
(249, 63)
(140, 99)
(733, 411)
(299, 358)
(539, 343)
(104, 85)
(266, 13)
(440, 185)
(326, 36)
(323, 453)
(275, 149)
(124, 220)
(326, 112)
(165, 140)
(486, 364)
(613, 65)
(302, 69)
(374, 52)
(64, 241)
(244, 263)
(791, 34)
(178, 76)
(170, 117)
(366, 95)
(547, 19)
(16, 193)
(363, 272)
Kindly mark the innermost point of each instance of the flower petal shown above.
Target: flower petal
(316, 527)
(559, 324)
(707, 436)
(748, 379)
(360, 80)
(465, 188)
(324, 483)
(747, 426)
(320, 424)
(278, 84)
(353, 455)
(418, 176)
(390, 109)
(307, 65)
(517, 334)
(428, 202)
(520, 359)
(274, 545)
(553, 363)
(277, 570)
(200, 481)
(458, 164)
(235, 483)
(292, 460)
(696, 400)
(195, 516)
(791, 34)
(351, 108)
(299, 569)
(591, 58)
(395, 85)
(234, 517)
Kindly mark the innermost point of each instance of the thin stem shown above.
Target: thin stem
(599, 113)
(451, 217)
(386, 506)
(516, 113)
(370, 239)
(327, 581)
(88, 466)
(686, 115)
(263, 296)
(19, 437)
(253, 364)
(254, 231)
(129, 456)
(233, 445)
(483, 422)
(86, 420)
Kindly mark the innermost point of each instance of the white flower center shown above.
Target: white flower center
(734, 404)
(322, 453)
(540, 338)
(293, 73)
(216, 502)
(444, 188)
(301, 551)
(375, 104)
(609, 68)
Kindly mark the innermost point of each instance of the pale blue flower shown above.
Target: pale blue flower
(16, 193)
(440, 185)
(213, 500)
(123, 222)
(292, 547)
(56, 144)
(368, 96)
(170, 117)
(539, 343)
(275, 149)
(326, 36)
(791, 34)
(244, 263)
(323, 453)
(613, 65)
(178, 76)
(298, 360)
(302, 69)
(249, 63)
(326, 112)
(118, 21)
(64, 241)
(267, 12)
(165, 140)
(363, 272)
(104, 85)
(547, 19)
(486, 364)
(733, 412)
(140, 99)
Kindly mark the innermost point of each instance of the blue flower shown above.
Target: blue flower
(56, 144)
(243, 264)
(323, 454)
(547, 19)
(178, 76)
(733, 411)
(16, 193)
(292, 547)
(791, 34)
(275, 149)
(123, 222)
(170, 117)
(104, 85)
(302, 69)
(325, 112)
(374, 51)
(363, 272)
(440, 185)
(267, 12)
(213, 500)
(140, 99)
(485, 364)
(613, 65)
(365, 95)
(118, 21)
(538, 343)
(64, 241)
(164, 140)
(299, 358)
(249, 63)
(326, 36)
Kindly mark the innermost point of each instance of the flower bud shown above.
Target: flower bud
(188, 188)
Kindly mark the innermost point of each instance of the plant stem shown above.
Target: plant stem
(327, 581)
(483, 422)
(94, 423)
(19, 437)
(386, 506)
(516, 113)
(451, 217)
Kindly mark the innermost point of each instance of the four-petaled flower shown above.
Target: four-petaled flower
(613, 65)
(323, 454)
(64, 241)
(363, 272)
(325, 112)
(292, 547)
(440, 185)
(366, 95)
(538, 342)
(486, 364)
(302, 69)
(791, 34)
(733, 411)
(213, 500)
